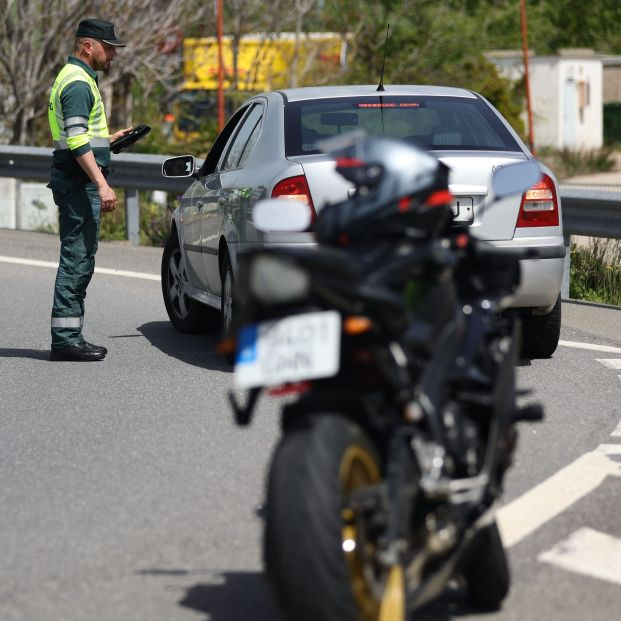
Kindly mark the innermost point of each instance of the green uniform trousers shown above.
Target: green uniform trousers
(78, 210)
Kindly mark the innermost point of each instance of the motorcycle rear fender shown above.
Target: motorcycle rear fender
(348, 404)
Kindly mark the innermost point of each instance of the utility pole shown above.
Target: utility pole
(219, 21)
(531, 135)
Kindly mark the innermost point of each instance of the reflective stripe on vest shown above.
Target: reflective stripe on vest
(67, 322)
(73, 132)
(95, 142)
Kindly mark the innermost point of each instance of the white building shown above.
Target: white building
(566, 96)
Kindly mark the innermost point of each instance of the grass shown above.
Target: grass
(596, 271)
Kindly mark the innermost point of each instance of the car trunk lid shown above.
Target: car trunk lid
(325, 184)
(469, 181)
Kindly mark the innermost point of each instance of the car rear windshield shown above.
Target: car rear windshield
(438, 123)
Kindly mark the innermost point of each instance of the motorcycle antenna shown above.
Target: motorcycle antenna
(381, 84)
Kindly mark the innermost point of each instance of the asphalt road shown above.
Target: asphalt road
(127, 493)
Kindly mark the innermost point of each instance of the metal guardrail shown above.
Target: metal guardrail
(127, 170)
(131, 172)
(593, 211)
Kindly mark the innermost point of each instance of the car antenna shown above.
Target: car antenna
(381, 84)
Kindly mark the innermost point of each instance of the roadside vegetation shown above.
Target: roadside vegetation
(596, 271)
(566, 163)
(154, 220)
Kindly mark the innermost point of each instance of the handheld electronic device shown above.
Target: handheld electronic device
(126, 141)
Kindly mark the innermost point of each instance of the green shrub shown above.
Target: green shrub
(566, 163)
(596, 271)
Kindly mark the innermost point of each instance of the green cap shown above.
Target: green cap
(99, 29)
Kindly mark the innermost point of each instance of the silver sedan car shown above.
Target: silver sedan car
(269, 148)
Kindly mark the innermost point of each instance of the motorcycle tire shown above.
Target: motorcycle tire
(485, 569)
(318, 463)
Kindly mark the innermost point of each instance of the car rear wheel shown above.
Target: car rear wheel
(186, 314)
(486, 569)
(541, 333)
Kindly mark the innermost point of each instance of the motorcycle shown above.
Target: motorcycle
(394, 338)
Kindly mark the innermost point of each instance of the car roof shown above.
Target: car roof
(323, 92)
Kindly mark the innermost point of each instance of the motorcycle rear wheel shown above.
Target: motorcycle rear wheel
(319, 554)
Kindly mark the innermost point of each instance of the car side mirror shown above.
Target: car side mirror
(281, 214)
(515, 179)
(181, 166)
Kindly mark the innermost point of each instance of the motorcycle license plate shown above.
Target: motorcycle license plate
(293, 349)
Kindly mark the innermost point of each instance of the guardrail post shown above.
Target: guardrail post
(132, 216)
(566, 268)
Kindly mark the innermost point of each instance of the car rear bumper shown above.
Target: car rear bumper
(540, 279)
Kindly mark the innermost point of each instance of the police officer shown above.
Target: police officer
(78, 181)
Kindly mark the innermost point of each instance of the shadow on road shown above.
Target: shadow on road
(452, 604)
(196, 349)
(34, 354)
(240, 596)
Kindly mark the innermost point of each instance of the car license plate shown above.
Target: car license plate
(296, 348)
(463, 210)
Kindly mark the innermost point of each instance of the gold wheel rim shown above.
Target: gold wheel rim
(360, 469)
(392, 607)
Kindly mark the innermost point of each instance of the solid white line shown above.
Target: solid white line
(611, 363)
(126, 274)
(520, 518)
(591, 346)
(98, 270)
(30, 262)
(617, 432)
(588, 552)
(609, 449)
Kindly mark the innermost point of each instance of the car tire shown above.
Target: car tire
(227, 308)
(541, 333)
(485, 569)
(187, 315)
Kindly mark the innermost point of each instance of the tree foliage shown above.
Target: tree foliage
(431, 42)
(36, 36)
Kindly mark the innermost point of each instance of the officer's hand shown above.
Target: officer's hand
(107, 198)
(120, 133)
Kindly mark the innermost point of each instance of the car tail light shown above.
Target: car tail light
(539, 205)
(294, 188)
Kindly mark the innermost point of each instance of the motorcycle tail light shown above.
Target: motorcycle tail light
(357, 324)
(539, 205)
(295, 388)
(294, 188)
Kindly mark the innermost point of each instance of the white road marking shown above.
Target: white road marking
(98, 270)
(524, 515)
(126, 274)
(588, 552)
(617, 432)
(609, 449)
(591, 346)
(611, 363)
